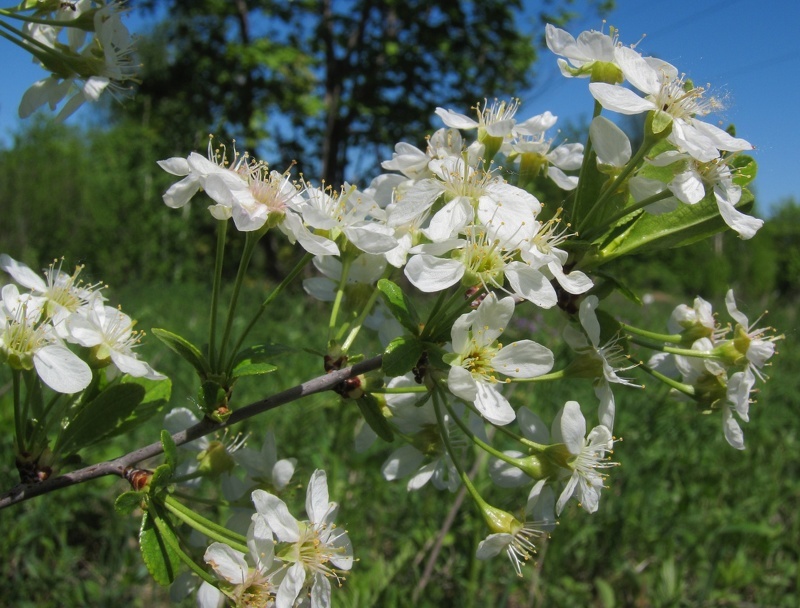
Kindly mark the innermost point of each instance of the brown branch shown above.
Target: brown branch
(23, 492)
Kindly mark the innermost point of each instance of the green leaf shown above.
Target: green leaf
(162, 476)
(170, 456)
(254, 361)
(161, 559)
(400, 306)
(97, 419)
(684, 226)
(373, 416)
(127, 502)
(401, 355)
(185, 349)
(157, 394)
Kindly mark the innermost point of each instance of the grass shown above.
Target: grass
(686, 520)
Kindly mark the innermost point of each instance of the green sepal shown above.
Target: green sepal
(400, 306)
(185, 349)
(254, 360)
(161, 559)
(744, 169)
(684, 226)
(170, 452)
(127, 502)
(371, 411)
(401, 355)
(97, 419)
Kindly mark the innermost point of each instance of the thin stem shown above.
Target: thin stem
(686, 352)
(337, 302)
(437, 406)
(476, 440)
(671, 382)
(543, 378)
(273, 294)
(19, 413)
(365, 310)
(47, 55)
(399, 390)
(251, 239)
(671, 338)
(205, 526)
(222, 231)
(169, 536)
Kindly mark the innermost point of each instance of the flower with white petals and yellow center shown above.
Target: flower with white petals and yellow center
(478, 359)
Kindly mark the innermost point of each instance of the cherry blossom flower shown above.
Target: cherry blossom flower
(315, 548)
(665, 91)
(27, 342)
(244, 584)
(109, 333)
(477, 358)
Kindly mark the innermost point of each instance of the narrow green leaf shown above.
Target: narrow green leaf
(185, 349)
(170, 456)
(252, 368)
(127, 502)
(371, 411)
(401, 355)
(161, 560)
(98, 418)
(400, 306)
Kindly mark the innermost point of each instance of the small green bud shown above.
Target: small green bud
(499, 521)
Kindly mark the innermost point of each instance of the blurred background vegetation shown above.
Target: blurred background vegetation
(686, 521)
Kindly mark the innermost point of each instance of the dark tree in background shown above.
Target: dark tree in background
(331, 84)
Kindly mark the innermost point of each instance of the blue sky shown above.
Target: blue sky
(749, 52)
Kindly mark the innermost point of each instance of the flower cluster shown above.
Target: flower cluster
(35, 328)
(290, 562)
(462, 219)
(81, 66)
(720, 367)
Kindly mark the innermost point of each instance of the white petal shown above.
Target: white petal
(61, 369)
(317, 500)
(22, 274)
(609, 142)
(619, 99)
(402, 462)
(282, 523)
(431, 274)
(531, 284)
(227, 563)
(493, 406)
(532, 426)
(492, 545)
(290, 586)
(461, 383)
(456, 120)
(732, 430)
(569, 427)
(523, 359)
